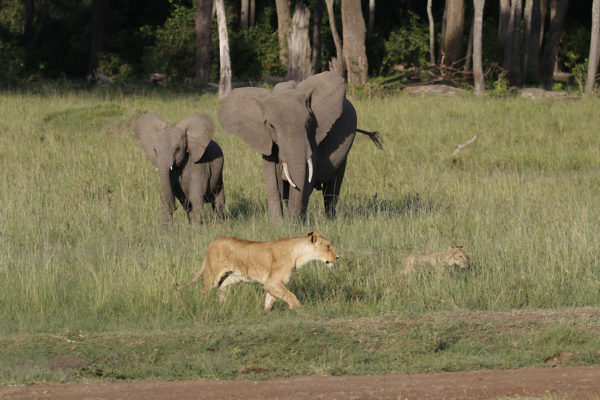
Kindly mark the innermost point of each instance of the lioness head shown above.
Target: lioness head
(458, 256)
(323, 248)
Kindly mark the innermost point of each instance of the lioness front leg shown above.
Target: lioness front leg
(279, 291)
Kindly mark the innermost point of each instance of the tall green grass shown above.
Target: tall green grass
(82, 246)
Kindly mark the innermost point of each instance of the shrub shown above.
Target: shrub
(174, 48)
(408, 45)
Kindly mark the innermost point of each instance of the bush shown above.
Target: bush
(255, 52)
(12, 61)
(408, 45)
(174, 49)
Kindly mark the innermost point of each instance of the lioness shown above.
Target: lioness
(455, 255)
(231, 260)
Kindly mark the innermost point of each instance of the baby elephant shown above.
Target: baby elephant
(455, 255)
(189, 163)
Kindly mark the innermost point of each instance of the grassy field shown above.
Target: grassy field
(86, 267)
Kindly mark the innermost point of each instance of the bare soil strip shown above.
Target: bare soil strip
(559, 382)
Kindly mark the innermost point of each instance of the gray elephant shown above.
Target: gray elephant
(189, 163)
(304, 131)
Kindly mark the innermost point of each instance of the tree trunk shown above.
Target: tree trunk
(225, 74)
(283, 28)
(593, 57)
(533, 35)
(503, 21)
(353, 26)
(558, 10)
(469, 56)
(477, 40)
(336, 64)
(299, 62)
(371, 17)
(203, 40)
(431, 34)
(97, 44)
(316, 36)
(453, 31)
(244, 14)
(512, 48)
(252, 13)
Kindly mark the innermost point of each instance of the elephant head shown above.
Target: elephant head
(285, 125)
(170, 149)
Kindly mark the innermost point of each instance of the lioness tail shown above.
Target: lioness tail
(195, 277)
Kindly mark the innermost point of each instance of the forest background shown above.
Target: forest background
(128, 40)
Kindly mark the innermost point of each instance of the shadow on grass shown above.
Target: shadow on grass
(411, 203)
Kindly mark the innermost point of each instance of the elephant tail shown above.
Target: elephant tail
(375, 136)
(193, 279)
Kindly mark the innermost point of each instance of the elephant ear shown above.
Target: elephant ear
(199, 130)
(326, 92)
(242, 114)
(145, 129)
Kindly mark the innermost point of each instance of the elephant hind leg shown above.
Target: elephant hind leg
(331, 191)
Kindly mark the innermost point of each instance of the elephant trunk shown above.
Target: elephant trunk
(167, 197)
(298, 174)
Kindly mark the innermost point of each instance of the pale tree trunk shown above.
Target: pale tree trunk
(431, 34)
(225, 75)
(454, 23)
(477, 40)
(316, 36)
(283, 28)
(558, 10)
(252, 13)
(512, 48)
(593, 57)
(503, 21)
(203, 29)
(353, 26)
(336, 64)
(245, 14)
(299, 62)
(371, 17)
(533, 34)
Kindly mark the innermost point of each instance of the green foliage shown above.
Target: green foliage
(408, 45)
(254, 52)
(112, 65)
(173, 51)
(501, 84)
(12, 61)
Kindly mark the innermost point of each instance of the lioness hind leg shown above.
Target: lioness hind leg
(279, 291)
(230, 280)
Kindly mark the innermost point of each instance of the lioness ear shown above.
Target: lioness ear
(313, 236)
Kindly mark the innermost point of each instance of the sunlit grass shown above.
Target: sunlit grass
(83, 247)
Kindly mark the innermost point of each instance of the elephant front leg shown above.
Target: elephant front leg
(218, 202)
(331, 191)
(272, 187)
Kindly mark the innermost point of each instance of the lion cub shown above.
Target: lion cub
(455, 255)
(231, 260)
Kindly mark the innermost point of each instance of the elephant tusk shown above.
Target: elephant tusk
(310, 169)
(287, 175)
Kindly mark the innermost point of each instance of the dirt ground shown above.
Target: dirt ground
(558, 382)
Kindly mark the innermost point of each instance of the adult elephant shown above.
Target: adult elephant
(304, 131)
(189, 163)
